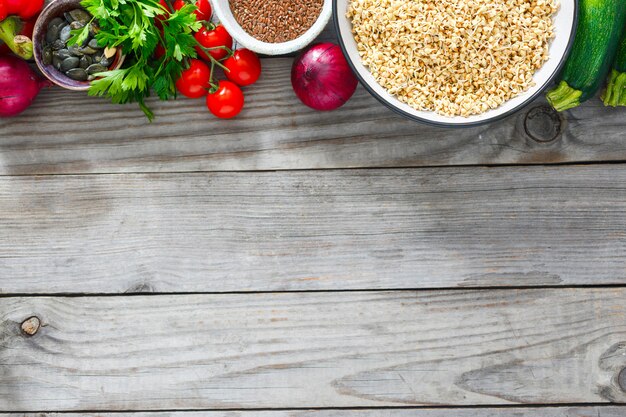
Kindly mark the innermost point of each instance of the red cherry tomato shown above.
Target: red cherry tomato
(244, 67)
(159, 51)
(178, 4)
(203, 8)
(204, 11)
(25, 9)
(227, 101)
(159, 18)
(194, 81)
(213, 39)
(163, 4)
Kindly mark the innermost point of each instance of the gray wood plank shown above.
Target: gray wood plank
(354, 349)
(601, 411)
(66, 132)
(313, 230)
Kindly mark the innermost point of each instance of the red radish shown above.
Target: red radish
(322, 78)
(19, 86)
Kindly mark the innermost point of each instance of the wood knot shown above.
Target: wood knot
(543, 124)
(621, 379)
(31, 326)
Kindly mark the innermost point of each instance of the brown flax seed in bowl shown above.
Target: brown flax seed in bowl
(276, 21)
(457, 58)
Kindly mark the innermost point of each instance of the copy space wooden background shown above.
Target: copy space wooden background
(291, 263)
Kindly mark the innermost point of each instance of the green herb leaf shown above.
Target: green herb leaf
(130, 25)
(79, 36)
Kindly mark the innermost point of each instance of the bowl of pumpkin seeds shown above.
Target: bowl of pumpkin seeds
(66, 49)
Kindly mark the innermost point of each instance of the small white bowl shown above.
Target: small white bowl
(565, 20)
(225, 16)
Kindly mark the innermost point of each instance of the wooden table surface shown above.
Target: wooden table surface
(291, 263)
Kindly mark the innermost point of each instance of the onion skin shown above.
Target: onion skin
(322, 78)
(19, 86)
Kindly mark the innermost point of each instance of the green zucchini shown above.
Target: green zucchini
(615, 93)
(600, 27)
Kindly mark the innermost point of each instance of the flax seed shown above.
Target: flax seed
(276, 21)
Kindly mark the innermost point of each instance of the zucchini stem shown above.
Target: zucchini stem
(615, 93)
(563, 97)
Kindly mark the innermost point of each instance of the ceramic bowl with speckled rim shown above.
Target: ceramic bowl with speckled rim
(225, 16)
(52, 10)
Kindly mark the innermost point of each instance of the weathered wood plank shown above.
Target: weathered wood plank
(67, 132)
(602, 411)
(314, 350)
(312, 230)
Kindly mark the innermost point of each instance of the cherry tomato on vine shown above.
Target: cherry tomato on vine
(217, 38)
(25, 9)
(227, 101)
(244, 67)
(203, 8)
(159, 51)
(195, 80)
(159, 18)
(163, 4)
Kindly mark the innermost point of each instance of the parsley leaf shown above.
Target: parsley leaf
(131, 26)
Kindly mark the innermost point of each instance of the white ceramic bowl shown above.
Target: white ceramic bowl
(565, 27)
(225, 16)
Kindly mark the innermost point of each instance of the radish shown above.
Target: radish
(19, 86)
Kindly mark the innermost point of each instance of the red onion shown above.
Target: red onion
(19, 86)
(322, 78)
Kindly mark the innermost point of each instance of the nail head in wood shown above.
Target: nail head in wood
(31, 326)
(543, 124)
(621, 379)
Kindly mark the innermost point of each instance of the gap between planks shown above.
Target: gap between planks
(540, 411)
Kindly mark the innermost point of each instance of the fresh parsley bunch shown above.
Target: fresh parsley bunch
(131, 26)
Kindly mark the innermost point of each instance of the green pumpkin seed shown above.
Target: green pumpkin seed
(69, 63)
(77, 74)
(93, 44)
(52, 34)
(80, 15)
(58, 44)
(65, 33)
(96, 68)
(75, 50)
(62, 54)
(56, 62)
(47, 55)
(85, 61)
(57, 21)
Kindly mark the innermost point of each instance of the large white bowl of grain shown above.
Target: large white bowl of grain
(274, 27)
(455, 63)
